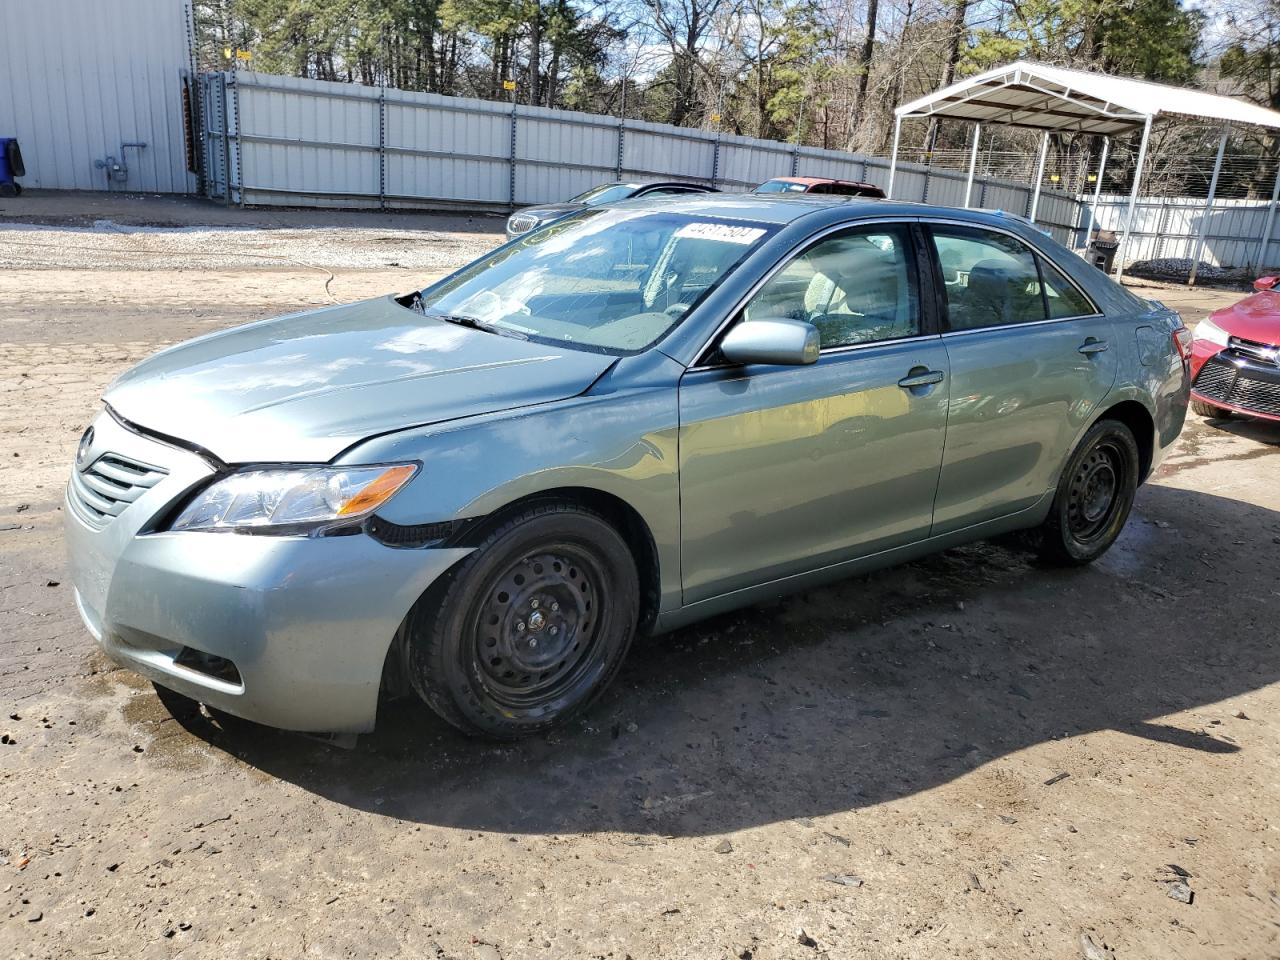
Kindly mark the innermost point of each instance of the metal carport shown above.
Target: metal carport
(1052, 99)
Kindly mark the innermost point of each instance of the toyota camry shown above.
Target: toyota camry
(632, 418)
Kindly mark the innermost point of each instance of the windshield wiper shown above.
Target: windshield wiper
(477, 324)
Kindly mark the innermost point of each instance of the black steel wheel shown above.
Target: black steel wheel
(1094, 497)
(530, 628)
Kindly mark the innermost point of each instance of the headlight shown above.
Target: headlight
(297, 500)
(1210, 332)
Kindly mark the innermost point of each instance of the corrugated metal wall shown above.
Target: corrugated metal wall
(293, 141)
(80, 77)
(285, 140)
(1168, 227)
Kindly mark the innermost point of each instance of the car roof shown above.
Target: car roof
(670, 183)
(815, 181)
(779, 209)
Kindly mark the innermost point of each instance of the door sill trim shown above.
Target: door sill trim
(1028, 517)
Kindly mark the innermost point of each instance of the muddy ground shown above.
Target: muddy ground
(1005, 757)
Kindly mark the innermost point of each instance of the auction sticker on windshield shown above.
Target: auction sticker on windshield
(723, 232)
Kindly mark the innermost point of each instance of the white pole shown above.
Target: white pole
(973, 163)
(893, 160)
(1097, 192)
(1208, 211)
(1133, 200)
(1271, 219)
(1035, 196)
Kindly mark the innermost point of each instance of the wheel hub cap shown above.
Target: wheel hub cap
(1093, 493)
(535, 627)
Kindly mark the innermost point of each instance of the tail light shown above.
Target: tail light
(1182, 342)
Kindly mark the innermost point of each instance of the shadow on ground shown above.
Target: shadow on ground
(861, 693)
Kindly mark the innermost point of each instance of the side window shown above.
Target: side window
(855, 287)
(1061, 294)
(990, 278)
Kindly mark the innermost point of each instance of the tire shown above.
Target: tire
(191, 713)
(1208, 410)
(529, 628)
(1094, 497)
(181, 707)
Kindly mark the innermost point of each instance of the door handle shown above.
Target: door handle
(925, 378)
(1092, 346)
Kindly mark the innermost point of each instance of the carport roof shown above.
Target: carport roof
(1043, 97)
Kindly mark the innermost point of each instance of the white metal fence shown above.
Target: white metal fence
(285, 140)
(274, 140)
(1169, 226)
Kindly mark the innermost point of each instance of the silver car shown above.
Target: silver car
(530, 218)
(635, 417)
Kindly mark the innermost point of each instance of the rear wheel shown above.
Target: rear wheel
(1208, 410)
(530, 628)
(1095, 495)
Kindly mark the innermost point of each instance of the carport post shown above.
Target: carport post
(1208, 210)
(1035, 195)
(893, 158)
(1271, 219)
(973, 163)
(1133, 199)
(1097, 193)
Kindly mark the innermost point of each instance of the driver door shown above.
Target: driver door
(785, 469)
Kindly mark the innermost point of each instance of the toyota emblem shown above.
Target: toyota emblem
(82, 451)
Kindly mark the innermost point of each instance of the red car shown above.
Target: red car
(1235, 357)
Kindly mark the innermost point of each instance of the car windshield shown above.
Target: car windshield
(605, 193)
(780, 186)
(610, 279)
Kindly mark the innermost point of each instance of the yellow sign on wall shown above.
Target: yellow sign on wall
(508, 84)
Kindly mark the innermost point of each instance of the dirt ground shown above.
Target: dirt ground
(969, 756)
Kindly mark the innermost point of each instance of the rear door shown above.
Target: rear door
(785, 469)
(1030, 357)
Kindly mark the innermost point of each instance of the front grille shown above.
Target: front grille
(104, 489)
(1254, 350)
(522, 223)
(1221, 381)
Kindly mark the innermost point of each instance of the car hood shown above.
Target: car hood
(1253, 318)
(305, 387)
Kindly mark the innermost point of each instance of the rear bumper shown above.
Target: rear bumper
(292, 632)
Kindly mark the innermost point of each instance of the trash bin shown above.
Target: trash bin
(11, 166)
(1102, 249)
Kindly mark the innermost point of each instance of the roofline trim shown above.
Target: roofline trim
(1129, 104)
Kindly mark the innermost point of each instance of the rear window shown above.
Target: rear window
(780, 186)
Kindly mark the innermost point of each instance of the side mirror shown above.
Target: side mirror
(772, 340)
(1265, 283)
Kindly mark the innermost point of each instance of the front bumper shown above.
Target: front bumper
(1238, 382)
(305, 623)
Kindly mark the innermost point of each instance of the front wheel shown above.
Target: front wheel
(530, 627)
(1094, 496)
(1209, 411)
